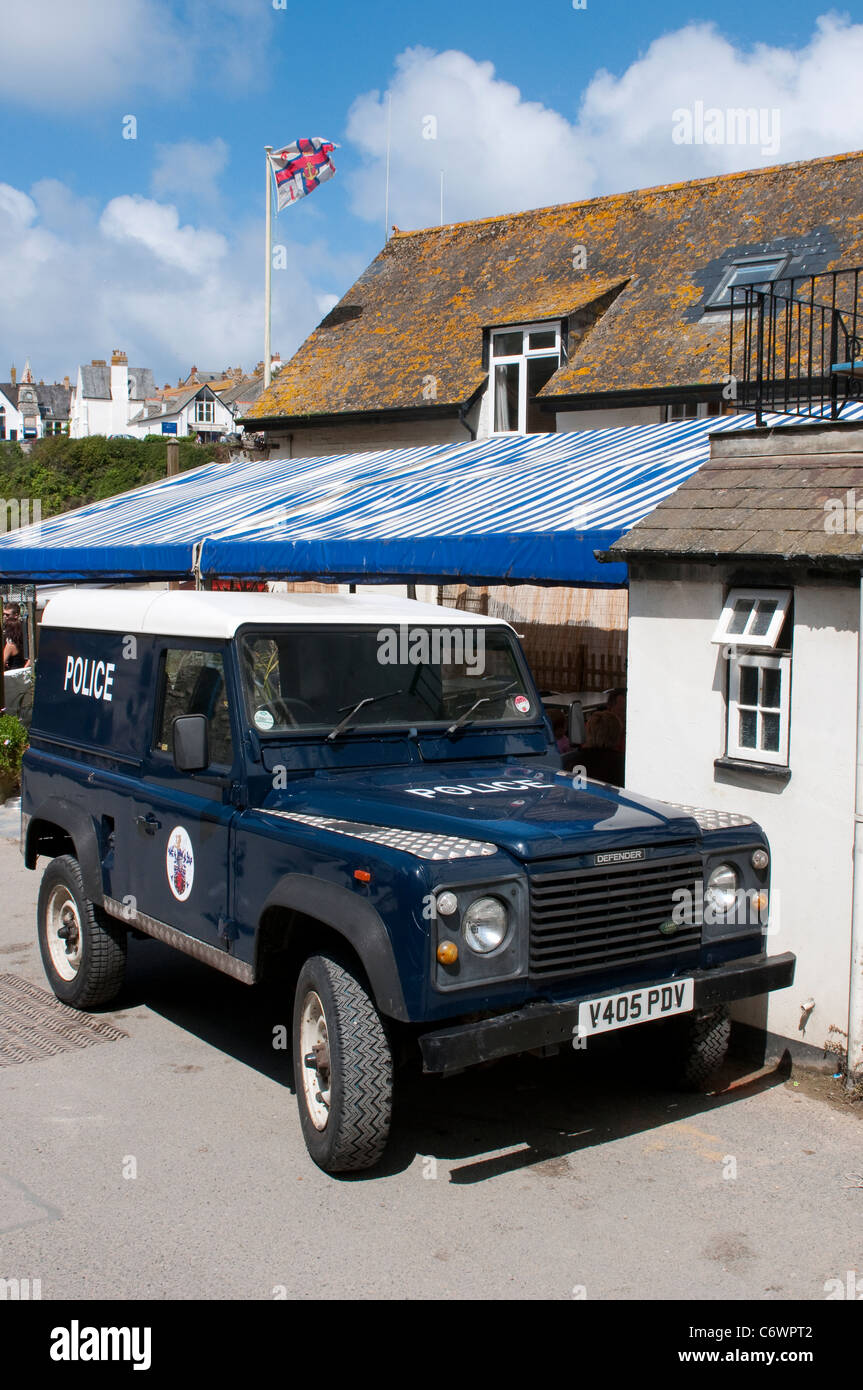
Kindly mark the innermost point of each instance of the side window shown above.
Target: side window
(754, 632)
(758, 700)
(193, 682)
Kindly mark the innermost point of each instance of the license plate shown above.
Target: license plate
(635, 1006)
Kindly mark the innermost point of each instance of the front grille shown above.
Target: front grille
(596, 919)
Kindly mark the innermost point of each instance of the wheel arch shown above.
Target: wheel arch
(59, 827)
(305, 912)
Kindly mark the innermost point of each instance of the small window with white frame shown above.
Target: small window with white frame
(753, 618)
(755, 634)
(523, 359)
(204, 412)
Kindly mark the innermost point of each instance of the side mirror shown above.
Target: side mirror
(576, 724)
(191, 743)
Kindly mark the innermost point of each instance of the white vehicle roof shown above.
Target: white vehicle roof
(218, 615)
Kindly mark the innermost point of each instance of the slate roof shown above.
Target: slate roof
(54, 400)
(242, 391)
(636, 313)
(143, 383)
(176, 403)
(48, 394)
(761, 495)
(96, 383)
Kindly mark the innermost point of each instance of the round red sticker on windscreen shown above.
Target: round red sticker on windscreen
(522, 704)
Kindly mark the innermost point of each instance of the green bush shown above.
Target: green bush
(64, 473)
(13, 741)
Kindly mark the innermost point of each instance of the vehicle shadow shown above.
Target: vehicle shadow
(519, 1113)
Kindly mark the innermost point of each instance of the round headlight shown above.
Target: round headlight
(485, 925)
(721, 887)
(760, 859)
(447, 904)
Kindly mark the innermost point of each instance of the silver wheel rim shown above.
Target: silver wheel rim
(315, 1059)
(62, 916)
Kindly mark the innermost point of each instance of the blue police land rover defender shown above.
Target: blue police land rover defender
(363, 796)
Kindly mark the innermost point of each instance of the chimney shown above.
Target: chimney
(67, 383)
(14, 375)
(98, 362)
(120, 385)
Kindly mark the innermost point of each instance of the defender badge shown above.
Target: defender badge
(180, 863)
(618, 856)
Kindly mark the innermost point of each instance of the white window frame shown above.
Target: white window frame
(734, 748)
(201, 408)
(521, 358)
(763, 641)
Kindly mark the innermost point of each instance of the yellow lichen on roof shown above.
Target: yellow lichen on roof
(419, 310)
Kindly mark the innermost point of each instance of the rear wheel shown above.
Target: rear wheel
(343, 1067)
(83, 951)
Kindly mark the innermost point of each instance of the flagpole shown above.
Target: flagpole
(387, 195)
(269, 272)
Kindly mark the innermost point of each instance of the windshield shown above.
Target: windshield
(334, 680)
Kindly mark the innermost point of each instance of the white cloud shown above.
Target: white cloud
(79, 280)
(190, 168)
(501, 153)
(451, 113)
(59, 54)
(156, 226)
(78, 54)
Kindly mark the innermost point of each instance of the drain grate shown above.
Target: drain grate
(33, 1024)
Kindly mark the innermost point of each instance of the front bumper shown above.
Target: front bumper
(540, 1024)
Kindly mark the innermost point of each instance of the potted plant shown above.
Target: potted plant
(13, 741)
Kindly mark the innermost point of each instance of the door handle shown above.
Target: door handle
(149, 824)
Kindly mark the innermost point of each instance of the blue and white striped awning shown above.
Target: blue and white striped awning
(514, 508)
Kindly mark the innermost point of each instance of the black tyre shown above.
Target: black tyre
(343, 1067)
(83, 950)
(705, 1043)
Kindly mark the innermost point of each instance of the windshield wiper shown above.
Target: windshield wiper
(369, 700)
(483, 700)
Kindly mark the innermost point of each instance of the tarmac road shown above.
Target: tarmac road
(169, 1164)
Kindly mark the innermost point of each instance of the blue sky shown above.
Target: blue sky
(155, 244)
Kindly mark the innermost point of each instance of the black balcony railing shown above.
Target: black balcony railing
(796, 344)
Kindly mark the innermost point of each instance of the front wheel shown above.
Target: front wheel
(343, 1067)
(706, 1038)
(83, 951)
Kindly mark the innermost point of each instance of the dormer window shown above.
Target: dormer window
(749, 270)
(523, 360)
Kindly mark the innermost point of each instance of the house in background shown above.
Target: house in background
(197, 411)
(613, 311)
(240, 397)
(106, 396)
(123, 400)
(33, 410)
(746, 689)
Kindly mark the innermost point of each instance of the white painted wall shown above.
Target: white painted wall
(97, 416)
(357, 438)
(364, 437)
(568, 420)
(13, 419)
(676, 727)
